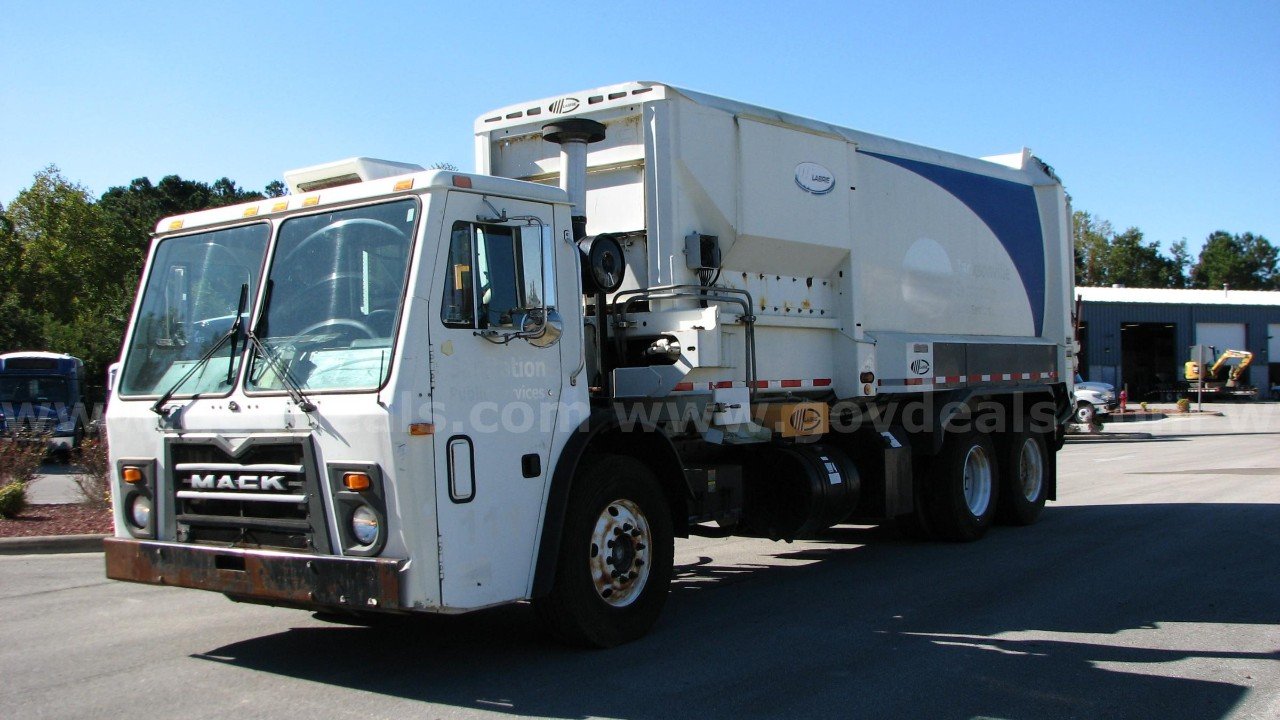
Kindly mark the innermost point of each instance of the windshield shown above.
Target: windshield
(188, 304)
(38, 390)
(336, 284)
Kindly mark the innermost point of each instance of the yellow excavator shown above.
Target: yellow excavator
(1209, 376)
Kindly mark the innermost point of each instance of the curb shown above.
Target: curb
(1133, 417)
(46, 544)
(1108, 437)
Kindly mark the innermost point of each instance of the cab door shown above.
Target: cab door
(494, 395)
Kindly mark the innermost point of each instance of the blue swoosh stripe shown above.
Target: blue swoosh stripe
(1008, 208)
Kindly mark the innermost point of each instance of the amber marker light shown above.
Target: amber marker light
(461, 181)
(313, 200)
(250, 212)
(175, 225)
(280, 206)
(422, 429)
(356, 481)
(131, 474)
(405, 184)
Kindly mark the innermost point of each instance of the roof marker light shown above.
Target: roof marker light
(175, 225)
(251, 211)
(280, 206)
(405, 184)
(461, 181)
(313, 200)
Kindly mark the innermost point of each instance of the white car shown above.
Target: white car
(1093, 399)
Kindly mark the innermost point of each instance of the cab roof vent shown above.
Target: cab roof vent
(344, 172)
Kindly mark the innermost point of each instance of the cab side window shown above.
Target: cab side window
(494, 274)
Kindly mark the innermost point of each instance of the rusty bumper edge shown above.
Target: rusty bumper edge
(266, 576)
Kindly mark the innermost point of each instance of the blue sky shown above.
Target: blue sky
(1161, 115)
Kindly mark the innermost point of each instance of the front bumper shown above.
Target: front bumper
(293, 579)
(1107, 408)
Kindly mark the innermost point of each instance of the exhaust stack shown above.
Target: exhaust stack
(573, 136)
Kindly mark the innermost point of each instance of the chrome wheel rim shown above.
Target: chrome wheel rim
(977, 480)
(1030, 469)
(620, 553)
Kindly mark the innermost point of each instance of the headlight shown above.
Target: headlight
(65, 427)
(140, 512)
(364, 525)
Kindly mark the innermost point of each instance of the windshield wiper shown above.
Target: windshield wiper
(158, 408)
(274, 363)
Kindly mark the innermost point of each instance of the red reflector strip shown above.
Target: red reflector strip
(762, 384)
(913, 381)
(790, 383)
(724, 384)
(683, 386)
(822, 382)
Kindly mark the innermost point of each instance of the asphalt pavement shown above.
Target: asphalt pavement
(1151, 589)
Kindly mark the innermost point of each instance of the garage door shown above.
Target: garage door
(1222, 336)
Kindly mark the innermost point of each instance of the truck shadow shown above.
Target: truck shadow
(1080, 615)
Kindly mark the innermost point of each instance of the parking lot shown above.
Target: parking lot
(1151, 589)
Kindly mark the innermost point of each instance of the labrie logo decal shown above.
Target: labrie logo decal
(240, 482)
(564, 105)
(806, 419)
(920, 367)
(814, 178)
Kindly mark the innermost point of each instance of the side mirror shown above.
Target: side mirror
(541, 332)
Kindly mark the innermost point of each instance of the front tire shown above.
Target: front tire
(1086, 414)
(614, 568)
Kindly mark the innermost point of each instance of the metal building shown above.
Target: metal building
(1141, 337)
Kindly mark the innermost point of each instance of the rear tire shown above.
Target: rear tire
(1024, 469)
(617, 551)
(962, 491)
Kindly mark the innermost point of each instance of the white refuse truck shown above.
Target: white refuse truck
(651, 313)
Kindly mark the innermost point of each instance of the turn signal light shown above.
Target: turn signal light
(867, 377)
(356, 481)
(422, 429)
(131, 474)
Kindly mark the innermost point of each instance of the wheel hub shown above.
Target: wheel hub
(977, 480)
(619, 553)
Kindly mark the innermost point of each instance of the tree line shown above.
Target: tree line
(1105, 257)
(70, 262)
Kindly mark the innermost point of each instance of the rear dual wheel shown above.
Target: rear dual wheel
(957, 490)
(1025, 465)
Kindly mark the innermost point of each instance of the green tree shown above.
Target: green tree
(1104, 257)
(1092, 245)
(1244, 262)
(68, 280)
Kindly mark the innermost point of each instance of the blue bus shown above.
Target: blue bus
(42, 395)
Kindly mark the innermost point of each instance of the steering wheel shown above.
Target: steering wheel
(348, 222)
(369, 332)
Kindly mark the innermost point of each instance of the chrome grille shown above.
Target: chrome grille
(268, 496)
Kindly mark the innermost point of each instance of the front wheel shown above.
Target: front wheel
(616, 555)
(1085, 414)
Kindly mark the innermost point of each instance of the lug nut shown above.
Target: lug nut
(639, 546)
(639, 562)
(616, 574)
(635, 533)
(626, 527)
(617, 531)
(608, 561)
